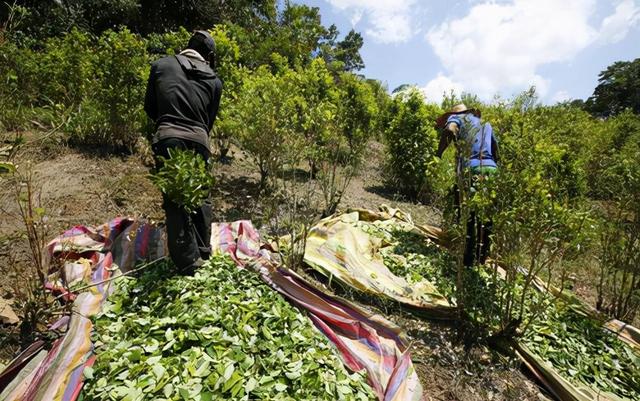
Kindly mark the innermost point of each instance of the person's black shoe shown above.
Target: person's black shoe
(191, 269)
(205, 253)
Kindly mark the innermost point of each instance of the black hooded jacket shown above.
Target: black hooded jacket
(183, 96)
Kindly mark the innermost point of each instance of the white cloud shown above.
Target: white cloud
(560, 96)
(435, 90)
(499, 47)
(389, 21)
(616, 26)
(356, 17)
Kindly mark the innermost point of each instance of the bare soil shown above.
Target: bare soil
(237, 187)
(450, 371)
(78, 187)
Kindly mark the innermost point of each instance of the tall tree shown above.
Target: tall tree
(618, 89)
(293, 34)
(348, 51)
(298, 33)
(49, 18)
(341, 55)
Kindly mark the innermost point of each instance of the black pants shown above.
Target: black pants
(188, 234)
(477, 242)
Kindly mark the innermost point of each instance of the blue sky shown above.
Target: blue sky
(490, 47)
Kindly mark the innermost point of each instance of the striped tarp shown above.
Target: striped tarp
(88, 256)
(364, 341)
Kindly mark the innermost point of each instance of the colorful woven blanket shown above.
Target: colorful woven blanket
(365, 341)
(89, 257)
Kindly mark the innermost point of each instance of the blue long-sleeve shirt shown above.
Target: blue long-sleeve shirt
(478, 136)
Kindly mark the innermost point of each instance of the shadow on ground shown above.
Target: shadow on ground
(385, 191)
(235, 198)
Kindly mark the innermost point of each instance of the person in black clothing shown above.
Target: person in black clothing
(183, 95)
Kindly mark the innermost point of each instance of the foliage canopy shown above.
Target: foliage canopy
(618, 89)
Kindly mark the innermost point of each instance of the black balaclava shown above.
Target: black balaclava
(203, 43)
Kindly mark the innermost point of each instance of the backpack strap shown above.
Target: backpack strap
(185, 63)
(194, 68)
(482, 143)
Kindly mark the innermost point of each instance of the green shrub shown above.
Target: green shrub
(263, 120)
(617, 140)
(88, 124)
(168, 42)
(112, 113)
(14, 116)
(14, 107)
(383, 102)
(411, 142)
(228, 69)
(99, 81)
(615, 180)
(44, 81)
(123, 68)
(66, 69)
(59, 71)
(356, 110)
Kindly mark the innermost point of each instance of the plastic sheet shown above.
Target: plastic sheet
(363, 340)
(340, 250)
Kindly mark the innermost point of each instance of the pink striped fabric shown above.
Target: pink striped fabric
(363, 340)
(88, 255)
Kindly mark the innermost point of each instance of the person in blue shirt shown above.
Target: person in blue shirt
(476, 158)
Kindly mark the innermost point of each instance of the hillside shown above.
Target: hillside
(79, 188)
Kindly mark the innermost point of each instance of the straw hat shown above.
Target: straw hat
(457, 109)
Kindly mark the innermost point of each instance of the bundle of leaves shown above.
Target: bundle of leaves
(222, 334)
(412, 256)
(415, 258)
(184, 178)
(584, 352)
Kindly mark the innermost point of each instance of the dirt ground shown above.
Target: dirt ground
(77, 187)
(235, 195)
(448, 371)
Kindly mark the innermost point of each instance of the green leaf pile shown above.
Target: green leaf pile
(222, 334)
(184, 178)
(415, 259)
(409, 255)
(583, 351)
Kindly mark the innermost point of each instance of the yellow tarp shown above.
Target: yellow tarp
(340, 249)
